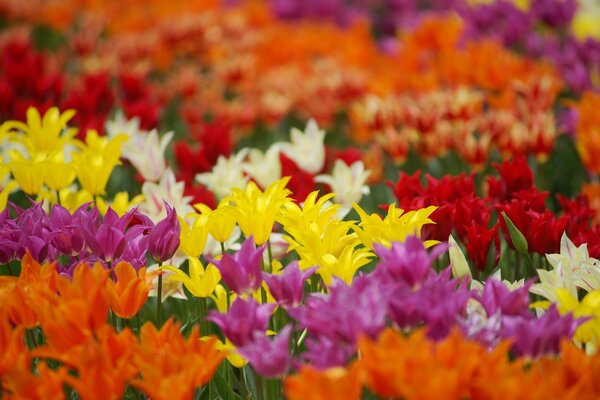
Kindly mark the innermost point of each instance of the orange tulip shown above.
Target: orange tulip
(332, 384)
(171, 366)
(130, 292)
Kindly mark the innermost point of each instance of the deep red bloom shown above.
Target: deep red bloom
(515, 175)
(301, 182)
(478, 242)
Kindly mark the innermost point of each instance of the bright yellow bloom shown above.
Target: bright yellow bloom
(200, 282)
(322, 240)
(232, 355)
(221, 221)
(395, 227)
(255, 211)
(97, 161)
(44, 136)
(193, 235)
(58, 174)
(29, 173)
(589, 331)
(4, 192)
(70, 199)
(120, 203)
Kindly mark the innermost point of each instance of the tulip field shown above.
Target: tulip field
(299, 199)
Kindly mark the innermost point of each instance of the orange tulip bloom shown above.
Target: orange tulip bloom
(171, 366)
(130, 292)
(332, 384)
(79, 310)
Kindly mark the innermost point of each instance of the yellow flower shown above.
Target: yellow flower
(200, 282)
(193, 235)
(221, 221)
(589, 331)
(97, 161)
(232, 355)
(29, 174)
(322, 240)
(395, 227)
(120, 203)
(255, 211)
(72, 200)
(59, 174)
(45, 135)
(4, 192)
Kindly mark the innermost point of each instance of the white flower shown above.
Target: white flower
(347, 182)
(167, 190)
(306, 148)
(265, 168)
(573, 268)
(225, 175)
(121, 125)
(146, 151)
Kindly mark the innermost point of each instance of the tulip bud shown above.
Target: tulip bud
(164, 237)
(516, 236)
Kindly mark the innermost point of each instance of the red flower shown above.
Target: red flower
(301, 183)
(515, 175)
(478, 242)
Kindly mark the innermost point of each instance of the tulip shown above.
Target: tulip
(164, 238)
(288, 287)
(242, 270)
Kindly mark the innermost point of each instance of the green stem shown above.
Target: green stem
(137, 323)
(159, 298)
(222, 248)
(10, 270)
(270, 252)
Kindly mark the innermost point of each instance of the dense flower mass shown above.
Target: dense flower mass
(302, 199)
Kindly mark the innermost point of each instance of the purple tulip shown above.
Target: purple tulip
(498, 299)
(163, 240)
(270, 358)
(288, 287)
(242, 270)
(407, 262)
(65, 236)
(245, 317)
(535, 337)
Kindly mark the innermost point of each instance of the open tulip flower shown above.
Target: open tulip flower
(301, 199)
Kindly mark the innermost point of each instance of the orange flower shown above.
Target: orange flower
(171, 366)
(47, 383)
(588, 130)
(79, 309)
(415, 367)
(130, 292)
(332, 384)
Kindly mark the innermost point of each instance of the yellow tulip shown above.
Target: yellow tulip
(200, 282)
(120, 203)
(29, 174)
(4, 192)
(43, 135)
(256, 211)
(59, 174)
(395, 227)
(97, 161)
(193, 237)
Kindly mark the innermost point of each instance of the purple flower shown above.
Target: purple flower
(323, 352)
(288, 287)
(407, 262)
(270, 358)
(243, 319)
(163, 240)
(242, 271)
(65, 236)
(347, 311)
(555, 13)
(438, 304)
(498, 299)
(535, 337)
